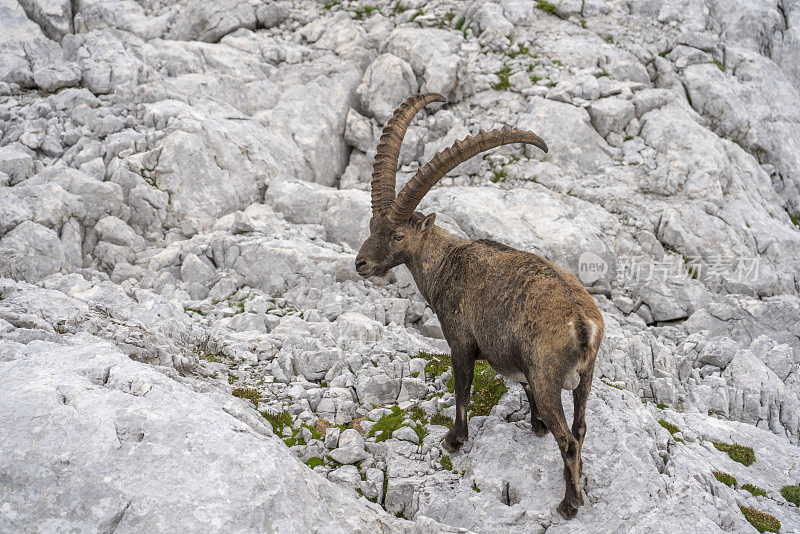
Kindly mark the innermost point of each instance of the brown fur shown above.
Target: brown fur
(529, 319)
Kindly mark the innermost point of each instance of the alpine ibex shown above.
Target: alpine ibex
(532, 322)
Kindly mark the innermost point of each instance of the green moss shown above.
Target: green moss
(791, 493)
(418, 13)
(738, 453)
(718, 64)
(207, 349)
(421, 433)
(247, 393)
(441, 419)
(583, 23)
(329, 5)
(278, 421)
(535, 78)
(664, 53)
(795, 219)
(437, 363)
(418, 414)
(519, 50)
(459, 25)
(187, 309)
(360, 12)
(314, 462)
(387, 424)
(547, 7)
(498, 176)
(475, 487)
(487, 388)
(557, 62)
(628, 138)
(606, 382)
(446, 462)
(502, 76)
(725, 478)
(762, 522)
(672, 429)
(755, 490)
(661, 406)
(232, 379)
(610, 38)
(315, 434)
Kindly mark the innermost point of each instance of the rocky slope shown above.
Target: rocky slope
(182, 189)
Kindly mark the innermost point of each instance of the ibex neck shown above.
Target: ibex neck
(426, 266)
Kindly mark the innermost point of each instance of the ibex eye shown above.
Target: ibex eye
(398, 237)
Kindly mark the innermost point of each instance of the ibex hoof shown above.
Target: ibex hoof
(539, 428)
(567, 509)
(450, 443)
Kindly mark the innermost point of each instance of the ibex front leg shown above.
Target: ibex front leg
(463, 359)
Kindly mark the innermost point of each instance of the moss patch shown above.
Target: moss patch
(502, 77)
(672, 429)
(248, 393)
(547, 7)
(441, 419)
(487, 388)
(791, 493)
(755, 490)
(387, 424)
(761, 521)
(437, 364)
(278, 421)
(725, 478)
(446, 462)
(314, 462)
(738, 453)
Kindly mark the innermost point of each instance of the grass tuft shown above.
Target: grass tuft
(755, 490)
(738, 453)
(547, 7)
(314, 462)
(718, 64)
(502, 76)
(487, 388)
(762, 522)
(248, 393)
(278, 421)
(441, 419)
(437, 363)
(791, 493)
(446, 462)
(672, 429)
(387, 424)
(498, 176)
(725, 478)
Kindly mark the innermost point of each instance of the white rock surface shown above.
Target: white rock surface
(185, 185)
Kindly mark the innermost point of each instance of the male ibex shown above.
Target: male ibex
(532, 322)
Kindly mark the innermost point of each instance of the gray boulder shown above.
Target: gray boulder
(387, 82)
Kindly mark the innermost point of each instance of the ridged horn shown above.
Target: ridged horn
(448, 159)
(384, 166)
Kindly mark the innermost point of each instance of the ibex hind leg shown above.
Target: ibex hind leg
(547, 395)
(580, 397)
(539, 428)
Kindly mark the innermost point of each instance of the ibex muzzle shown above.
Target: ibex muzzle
(532, 322)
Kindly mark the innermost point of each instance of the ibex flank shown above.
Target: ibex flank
(532, 322)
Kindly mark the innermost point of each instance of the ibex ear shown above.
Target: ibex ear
(427, 222)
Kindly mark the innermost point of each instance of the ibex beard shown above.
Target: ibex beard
(531, 321)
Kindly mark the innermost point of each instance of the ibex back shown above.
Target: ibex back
(532, 322)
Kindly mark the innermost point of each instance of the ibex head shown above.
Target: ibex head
(396, 231)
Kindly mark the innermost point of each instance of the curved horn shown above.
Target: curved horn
(384, 166)
(448, 159)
